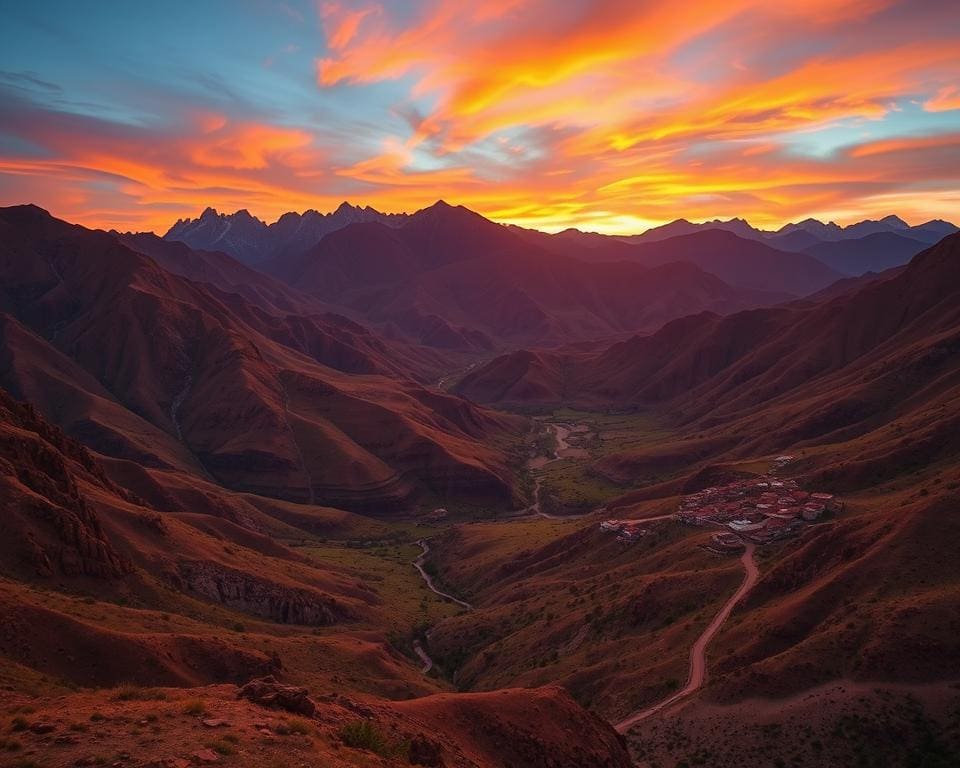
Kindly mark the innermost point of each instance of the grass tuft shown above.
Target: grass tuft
(195, 707)
(223, 747)
(365, 734)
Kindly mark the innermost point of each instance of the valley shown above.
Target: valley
(508, 384)
(721, 515)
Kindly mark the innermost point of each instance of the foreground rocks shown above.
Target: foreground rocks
(268, 692)
(269, 723)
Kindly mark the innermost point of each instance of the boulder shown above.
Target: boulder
(268, 692)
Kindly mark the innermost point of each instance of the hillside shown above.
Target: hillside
(705, 366)
(144, 365)
(449, 278)
(101, 592)
(533, 728)
(70, 530)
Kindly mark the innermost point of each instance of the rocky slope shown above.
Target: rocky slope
(145, 365)
(47, 525)
(531, 728)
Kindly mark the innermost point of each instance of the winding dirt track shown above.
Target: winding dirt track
(698, 653)
(418, 564)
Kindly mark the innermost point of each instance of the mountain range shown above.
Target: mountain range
(251, 241)
(341, 497)
(147, 366)
(796, 236)
(447, 278)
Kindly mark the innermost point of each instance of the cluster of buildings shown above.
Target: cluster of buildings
(627, 531)
(761, 510)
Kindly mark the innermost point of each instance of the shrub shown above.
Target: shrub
(296, 726)
(222, 746)
(195, 707)
(364, 734)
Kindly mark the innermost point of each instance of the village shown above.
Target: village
(760, 510)
(628, 531)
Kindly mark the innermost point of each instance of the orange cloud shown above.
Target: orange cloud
(947, 98)
(342, 23)
(249, 146)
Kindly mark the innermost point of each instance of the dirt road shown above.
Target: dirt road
(418, 564)
(698, 653)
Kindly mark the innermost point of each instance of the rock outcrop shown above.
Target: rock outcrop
(268, 692)
(260, 597)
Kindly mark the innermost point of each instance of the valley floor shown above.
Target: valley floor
(636, 627)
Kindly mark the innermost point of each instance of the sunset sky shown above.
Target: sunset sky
(610, 116)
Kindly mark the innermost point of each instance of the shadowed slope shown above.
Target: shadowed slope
(239, 394)
(451, 278)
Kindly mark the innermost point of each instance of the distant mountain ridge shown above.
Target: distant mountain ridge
(929, 232)
(252, 241)
(853, 250)
(449, 278)
(742, 262)
(256, 243)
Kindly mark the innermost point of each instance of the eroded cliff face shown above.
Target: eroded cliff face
(260, 597)
(47, 525)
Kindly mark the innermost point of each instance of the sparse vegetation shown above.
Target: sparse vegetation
(366, 734)
(296, 726)
(195, 708)
(223, 746)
